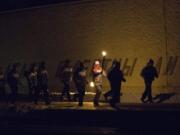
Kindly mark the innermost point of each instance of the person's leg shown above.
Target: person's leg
(14, 95)
(81, 95)
(149, 92)
(33, 96)
(115, 95)
(107, 94)
(36, 94)
(46, 94)
(80, 98)
(68, 91)
(144, 95)
(98, 94)
(30, 91)
(76, 95)
(63, 91)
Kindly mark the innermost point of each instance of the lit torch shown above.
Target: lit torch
(91, 84)
(104, 58)
(104, 53)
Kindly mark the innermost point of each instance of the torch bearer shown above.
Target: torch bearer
(103, 62)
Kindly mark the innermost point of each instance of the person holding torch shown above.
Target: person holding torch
(98, 72)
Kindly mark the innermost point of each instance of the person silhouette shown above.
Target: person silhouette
(80, 82)
(42, 83)
(148, 73)
(109, 93)
(97, 72)
(66, 78)
(27, 74)
(75, 76)
(33, 81)
(13, 79)
(115, 77)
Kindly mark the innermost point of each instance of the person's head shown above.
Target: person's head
(15, 66)
(96, 63)
(150, 62)
(33, 67)
(97, 68)
(117, 65)
(42, 65)
(114, 63)
(76, 64)
(67, 62)
(81, 64)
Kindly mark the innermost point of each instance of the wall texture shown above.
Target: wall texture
(130, 30)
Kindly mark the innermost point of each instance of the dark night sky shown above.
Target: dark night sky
(6, 5)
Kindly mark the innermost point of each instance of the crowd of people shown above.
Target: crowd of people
(37, 78)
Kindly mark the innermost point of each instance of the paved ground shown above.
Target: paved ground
(68, 118)
(27, 106)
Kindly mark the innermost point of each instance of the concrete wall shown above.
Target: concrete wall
(130, 30)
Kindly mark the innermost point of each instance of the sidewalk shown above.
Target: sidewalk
(68, 115)
(104, 106)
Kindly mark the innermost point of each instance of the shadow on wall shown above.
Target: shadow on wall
(163, 97)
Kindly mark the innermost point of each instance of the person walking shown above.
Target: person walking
(80, 82)
(98, 73)
(148, 73)
(33, 81)
(115, 77)
(66, 78)
(13, 79)
(42, 84)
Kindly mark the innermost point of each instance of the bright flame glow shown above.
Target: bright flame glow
(91, 84)
(104, 53)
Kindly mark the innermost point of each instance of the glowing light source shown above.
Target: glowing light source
(91, 84)
(104, 53)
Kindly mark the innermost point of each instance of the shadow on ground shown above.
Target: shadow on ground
(163, 97)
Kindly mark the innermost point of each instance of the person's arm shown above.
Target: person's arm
(156, 73)
(123, 79)
(104, 73)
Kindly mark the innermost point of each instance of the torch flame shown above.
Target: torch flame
(104, 53)
(91, 84)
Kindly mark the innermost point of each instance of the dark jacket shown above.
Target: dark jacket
(80, 76)
(149, 73)
(13, 78)
(115, 76)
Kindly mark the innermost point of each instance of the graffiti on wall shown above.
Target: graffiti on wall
(128, 66)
